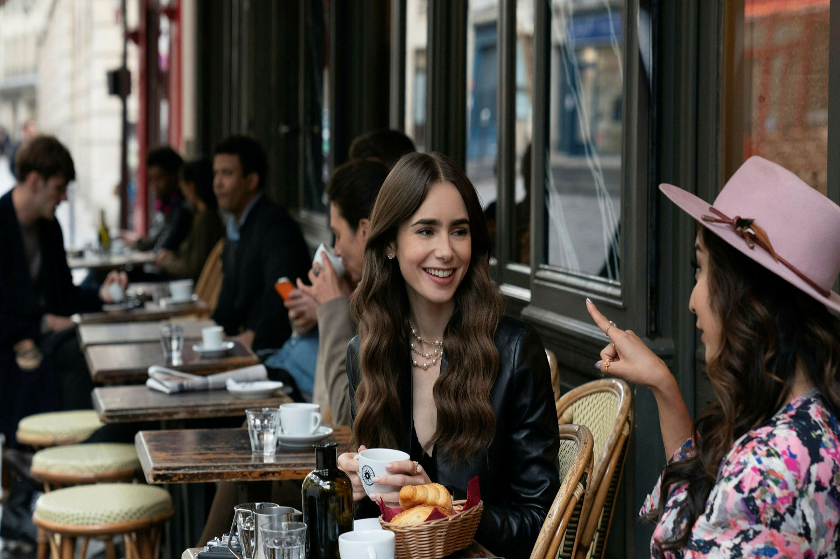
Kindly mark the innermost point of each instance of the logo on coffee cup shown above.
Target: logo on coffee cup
(367, 475)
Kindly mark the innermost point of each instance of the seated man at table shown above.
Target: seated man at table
(41, 366)
(262, 244)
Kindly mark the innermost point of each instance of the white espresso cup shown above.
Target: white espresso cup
(334, 260)
(181, 290)
(372, 463)
(212, 337)
(299, 418)
(367, 544)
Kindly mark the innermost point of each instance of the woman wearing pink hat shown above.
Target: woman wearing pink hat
(758, 474)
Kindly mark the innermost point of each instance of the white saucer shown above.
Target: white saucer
(304, 441)
(256, 390)
(170, 302)
(116, 307)
(214, 352)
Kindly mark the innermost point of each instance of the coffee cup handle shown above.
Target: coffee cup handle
(316, 421)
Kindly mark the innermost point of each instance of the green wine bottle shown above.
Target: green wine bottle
(327, 503)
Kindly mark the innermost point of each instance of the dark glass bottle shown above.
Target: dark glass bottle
(327, 503)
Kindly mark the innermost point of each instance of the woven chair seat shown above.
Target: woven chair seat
(97, 458)
(102, 504)
(57, 428)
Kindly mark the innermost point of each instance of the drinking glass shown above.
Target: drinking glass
(172, 340)
(287, 542)
(263, 425)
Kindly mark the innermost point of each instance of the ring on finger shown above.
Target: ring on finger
(607, 365)
(607, 331)
(316, 270)
(613, 344)
(416, 467)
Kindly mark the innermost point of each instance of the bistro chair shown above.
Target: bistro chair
(57, 428)
(82, 464)
(210, 280)
(560, 532)
(605, 407)
(102, 511)
(555, 373)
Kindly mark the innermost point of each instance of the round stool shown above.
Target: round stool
(103, 511)
(57, 428)
(81, 464)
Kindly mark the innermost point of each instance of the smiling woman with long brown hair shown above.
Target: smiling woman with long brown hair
(437, 371)
(758, 474)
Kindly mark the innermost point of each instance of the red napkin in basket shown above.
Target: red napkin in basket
(473, 497)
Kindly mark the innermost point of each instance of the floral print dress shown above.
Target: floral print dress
(777, 492)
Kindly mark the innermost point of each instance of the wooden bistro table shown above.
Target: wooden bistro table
(149, 312)
(202, 455)
(134, 332)
(107, 262)
(129, 363)
(117, 404)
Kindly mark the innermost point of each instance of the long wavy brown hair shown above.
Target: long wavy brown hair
(466, 422)
(769, 327)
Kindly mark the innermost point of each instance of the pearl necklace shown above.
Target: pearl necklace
(435, 355)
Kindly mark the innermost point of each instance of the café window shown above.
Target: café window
(776, 87)
(584, 151)
(521, 249)
(416, 42)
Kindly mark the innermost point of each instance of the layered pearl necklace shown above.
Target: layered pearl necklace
(435, 355)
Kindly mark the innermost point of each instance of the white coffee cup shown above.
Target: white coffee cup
(367, 544)
(334, 260)
(372, 463)
(181, 290)
(212, 337)
(117, 246)
(116, 292)
(300, 418)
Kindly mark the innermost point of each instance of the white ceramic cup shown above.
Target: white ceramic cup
(299, 418)
(366, 524)
(116, 292)
(212, 337)
(181, 290)
(372, 463)
(117, 246)
(334, 260)
(367, 544)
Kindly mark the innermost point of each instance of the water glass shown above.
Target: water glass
(263, 425)
(287, 542)
(172, 340)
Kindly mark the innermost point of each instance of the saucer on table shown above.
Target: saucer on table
(213, 351)
(255, 390)
(304, 441)
(170, 302)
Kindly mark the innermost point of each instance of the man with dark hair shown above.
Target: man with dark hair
(385, 144)
(172, 220)
(41, 367)
(262, 245)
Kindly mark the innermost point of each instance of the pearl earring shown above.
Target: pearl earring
(390, 256)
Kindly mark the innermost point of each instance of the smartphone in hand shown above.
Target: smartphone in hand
(284, 287)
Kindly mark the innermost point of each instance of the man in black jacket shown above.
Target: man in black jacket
(262, 245)
(41, 366)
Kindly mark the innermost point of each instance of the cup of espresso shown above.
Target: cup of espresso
(367, 544)
(212, 337)
(181, 291)
(372, 463)
(299, 418)
(324, 251)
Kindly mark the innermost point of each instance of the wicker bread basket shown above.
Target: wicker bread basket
(437, 538)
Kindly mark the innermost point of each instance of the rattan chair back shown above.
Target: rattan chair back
(209, 283)
(560, 532)
(605, 407)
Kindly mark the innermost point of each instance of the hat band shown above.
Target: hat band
(755, 235)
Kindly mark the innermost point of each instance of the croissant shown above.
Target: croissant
(430, 494)
(416, 515)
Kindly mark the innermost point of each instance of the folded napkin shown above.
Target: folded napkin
(170, 381)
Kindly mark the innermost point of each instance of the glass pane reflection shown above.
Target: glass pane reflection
(583, 187)
(524, 131)
(416, 41)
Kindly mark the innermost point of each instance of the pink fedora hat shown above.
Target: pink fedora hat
(774, 218)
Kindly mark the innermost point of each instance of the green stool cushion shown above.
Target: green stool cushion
(63, 425)
(96, 458)
(103, 503)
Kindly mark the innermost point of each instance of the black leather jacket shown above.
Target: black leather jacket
(518, 474)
